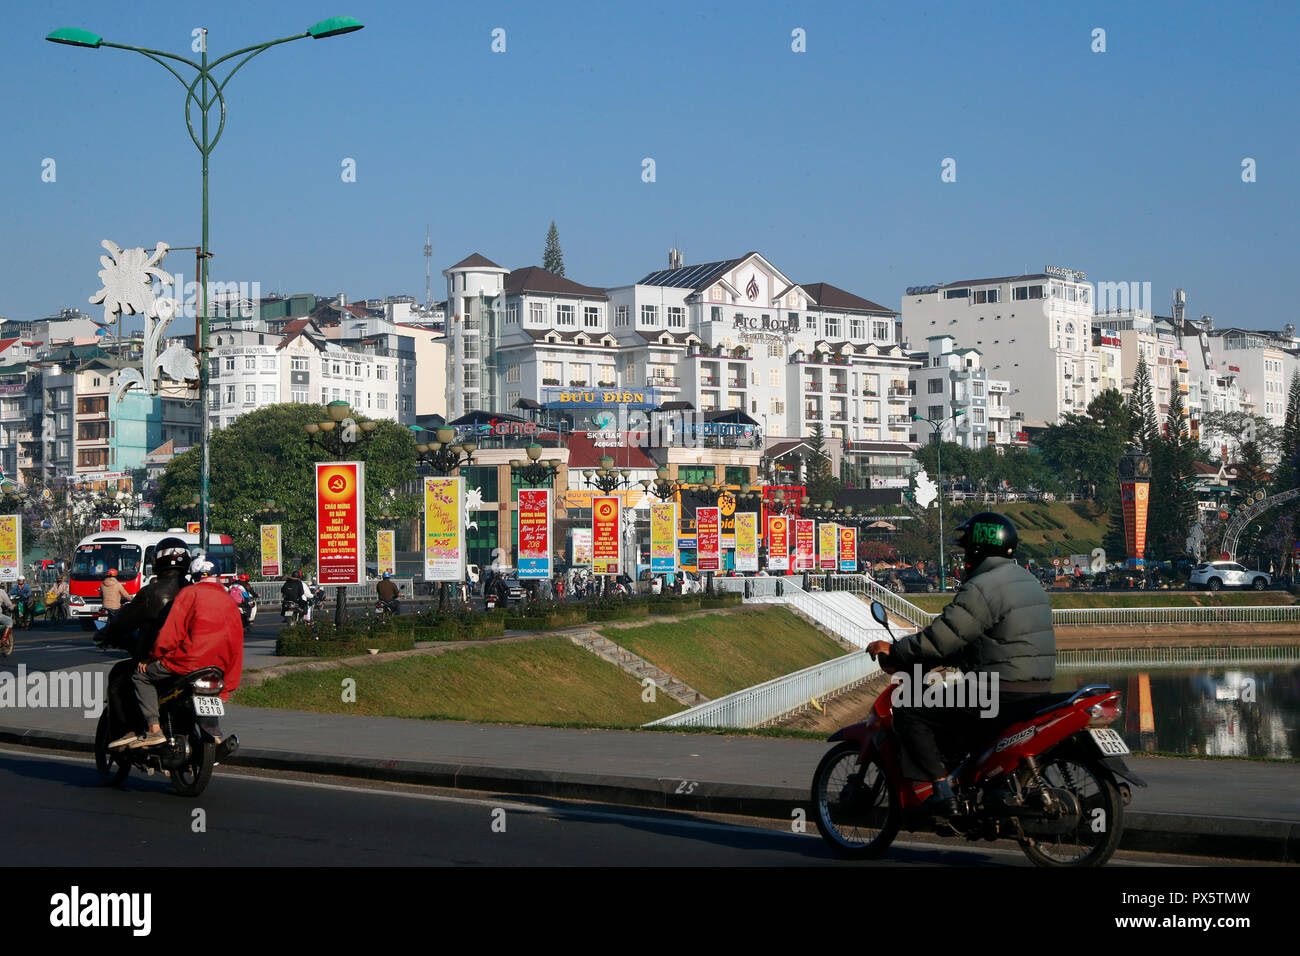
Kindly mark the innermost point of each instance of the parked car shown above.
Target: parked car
(910, 579)
(1214, 575)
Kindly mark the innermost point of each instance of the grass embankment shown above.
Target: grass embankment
(719, 654)
(1082, 599)
(550, 681)
(1056, 527)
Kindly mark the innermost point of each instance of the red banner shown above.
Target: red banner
(1134, 497)
(340, 522)
(605, 535)
(708, 543)
(534, 533)
(805, 544)
(110, 524)
(778, 543)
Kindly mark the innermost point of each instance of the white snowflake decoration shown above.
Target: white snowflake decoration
(128, 276)
(926, 490)
(473, 501)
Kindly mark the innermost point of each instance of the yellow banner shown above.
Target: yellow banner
(385, 560)
(827, 546)
(272, 565)
(11, 547)
(663, 537)
(444, 532)
(746, 541)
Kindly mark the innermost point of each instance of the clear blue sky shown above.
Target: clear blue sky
(1126, 164)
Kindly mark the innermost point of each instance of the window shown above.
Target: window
(512, 399)
(512, 373)
(935, 386)
(956, 293)
(676, 317)
(564, 315)
(298, 365)
(406, 403)
(268, 363)
(1027, 292)
(591, 317)
(777, 408)
(832, 325)
(230, 394)
(649, 315)
(855, 328)
(298, 395)
(512, 313)
(230, 364)
(382, 401)
(607, 374)
(773, 377)
(381, 373)
(988, 295)
(979, 415)
(550, 373)
(250, 363)
(880, 331)
(620, 316)
(337, 368)
(537, 313)
(775, 350)
(268, 394)
(792, 320)
(250, 394)
(216, 368)
(812, 324)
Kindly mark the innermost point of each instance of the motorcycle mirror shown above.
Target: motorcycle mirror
(879, 613)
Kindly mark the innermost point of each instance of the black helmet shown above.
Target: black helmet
(170, 554)
(986, 535)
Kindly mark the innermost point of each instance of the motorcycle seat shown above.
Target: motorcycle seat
(1026, 709)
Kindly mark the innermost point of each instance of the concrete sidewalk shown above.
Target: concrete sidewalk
(1228, 808)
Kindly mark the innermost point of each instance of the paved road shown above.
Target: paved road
(61, 815)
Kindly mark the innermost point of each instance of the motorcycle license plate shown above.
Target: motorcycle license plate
(1109, 742)
(213, 707)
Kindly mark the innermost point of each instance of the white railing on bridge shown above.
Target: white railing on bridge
(866, 587)
(1267, 614)
(269, 591)
(764, 703)
(1094, 657)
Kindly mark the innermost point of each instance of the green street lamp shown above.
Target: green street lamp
(938, 449)
(206, 91)
(534, 470)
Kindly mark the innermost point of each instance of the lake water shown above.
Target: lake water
(1224, 710)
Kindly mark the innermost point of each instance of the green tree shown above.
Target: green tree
(552, 257)
(1144, 429)
(822, 485)
(1084, 449)
(265, 455)
(1173, 501)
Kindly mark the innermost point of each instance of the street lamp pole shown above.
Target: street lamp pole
(938, 449)
(205, 96)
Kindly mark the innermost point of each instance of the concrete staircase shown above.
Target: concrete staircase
(638, 667)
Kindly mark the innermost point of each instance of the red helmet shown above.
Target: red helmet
(243, 578)
(112, 572)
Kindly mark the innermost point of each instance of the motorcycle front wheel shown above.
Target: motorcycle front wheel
(857, 811)
(190, 780)
(112, 769)
(1097, 833)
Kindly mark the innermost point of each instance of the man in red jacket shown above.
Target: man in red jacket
(203, 629)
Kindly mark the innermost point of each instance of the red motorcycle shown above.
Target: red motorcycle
(1046, 772)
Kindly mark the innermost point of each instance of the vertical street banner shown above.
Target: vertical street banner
(444, 529)
(708, 539)
(582, 547)
(849, 550)
(663, 537)
(746, 541)
(385, 551)
(534, 533)
(778, 543)
(1134, 499)
(340, 522)
(11, 547)
(606, 535)
(110, 524)
(827, 538)
(272, 565)
(805, 544)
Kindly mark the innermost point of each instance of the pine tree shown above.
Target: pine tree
(1142, 408)
(553, 258)
(1173, 502)
(1287, 473)
(822, 485)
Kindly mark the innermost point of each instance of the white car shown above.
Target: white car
(1214, 575)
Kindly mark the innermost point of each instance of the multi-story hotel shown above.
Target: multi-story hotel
(952, 387)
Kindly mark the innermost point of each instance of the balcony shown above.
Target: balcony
(839, 388)
(898, 420)
(812, 385)
(870, 394)
(897, 390)
(735, 383)
(663, 381)
(708, 381)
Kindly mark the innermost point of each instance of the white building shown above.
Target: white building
(1035, 329)
(1262, 363)
(472, 334)
(952, 380)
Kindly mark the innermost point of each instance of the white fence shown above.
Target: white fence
(764, 703)
(1154, 657)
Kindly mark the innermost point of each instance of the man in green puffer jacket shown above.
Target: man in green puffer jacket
(998, 624)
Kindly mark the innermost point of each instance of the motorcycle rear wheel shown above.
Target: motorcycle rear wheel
(191, 779)
(1101, 825)
(112, 768)
(858, 823)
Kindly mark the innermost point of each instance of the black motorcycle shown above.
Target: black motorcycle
(190, 707)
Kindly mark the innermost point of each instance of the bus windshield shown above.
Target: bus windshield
(93, 561)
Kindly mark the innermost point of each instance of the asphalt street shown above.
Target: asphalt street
(60, 814)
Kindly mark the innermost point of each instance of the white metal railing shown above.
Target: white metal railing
(1269, 614)
(269, 591)
(868, 589)
(764, 703)
(1093, 657)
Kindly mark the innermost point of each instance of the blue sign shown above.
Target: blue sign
(534, 568)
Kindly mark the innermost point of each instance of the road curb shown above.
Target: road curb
(1275, 841)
